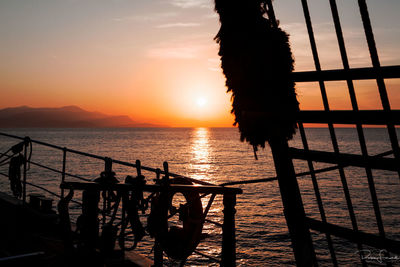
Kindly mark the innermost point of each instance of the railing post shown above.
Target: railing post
(25, 169)
(107, 165)
(108, 176)
(293, 205)
(228, 257)
(63, 169)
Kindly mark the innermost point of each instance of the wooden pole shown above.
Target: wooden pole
(292, 204)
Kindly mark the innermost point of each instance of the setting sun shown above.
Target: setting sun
(201, 101)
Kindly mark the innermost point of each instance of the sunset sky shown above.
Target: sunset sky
(156, 61)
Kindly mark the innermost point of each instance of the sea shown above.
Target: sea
(216, 155)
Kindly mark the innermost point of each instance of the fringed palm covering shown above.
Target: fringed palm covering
(257, 62)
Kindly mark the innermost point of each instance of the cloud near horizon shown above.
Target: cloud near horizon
(178, 25)
(148, 18)
(192, 3)
(176, 50)
(190, 47)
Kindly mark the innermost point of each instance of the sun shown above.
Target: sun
(201, 101)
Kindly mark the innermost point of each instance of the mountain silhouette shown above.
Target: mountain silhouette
(63, 117)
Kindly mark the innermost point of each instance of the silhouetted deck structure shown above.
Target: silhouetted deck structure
(97, 207)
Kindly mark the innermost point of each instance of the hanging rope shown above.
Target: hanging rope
(257, 62)
(16, 160)
(132, 203)
(14, 174)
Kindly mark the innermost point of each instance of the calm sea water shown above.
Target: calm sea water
(216, 155)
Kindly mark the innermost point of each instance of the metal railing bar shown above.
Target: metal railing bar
(162, 172)
(52, 193)
(377, 66)
(5, 155)
(318, 195)
(4, 161)
(104, 158)
(360, 132)
(85, 154)
(77, 177)
(44, 189)
(56, 147)
(22, 138)
(207, 256)
(57, 171)
(330, 125)
(386, 72)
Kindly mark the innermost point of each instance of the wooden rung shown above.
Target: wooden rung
(387, 72)
(353, 236)
(369, 117)
(344, 159)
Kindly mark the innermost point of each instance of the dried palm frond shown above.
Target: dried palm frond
(257, 62)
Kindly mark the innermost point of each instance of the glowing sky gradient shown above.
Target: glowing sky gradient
(156, 60)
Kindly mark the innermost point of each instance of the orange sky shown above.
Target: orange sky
(157, 62)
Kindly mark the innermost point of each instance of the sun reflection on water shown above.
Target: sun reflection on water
(200, 162)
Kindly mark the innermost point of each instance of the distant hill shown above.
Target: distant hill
(64, 117)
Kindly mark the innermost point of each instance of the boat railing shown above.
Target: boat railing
(163, 182)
